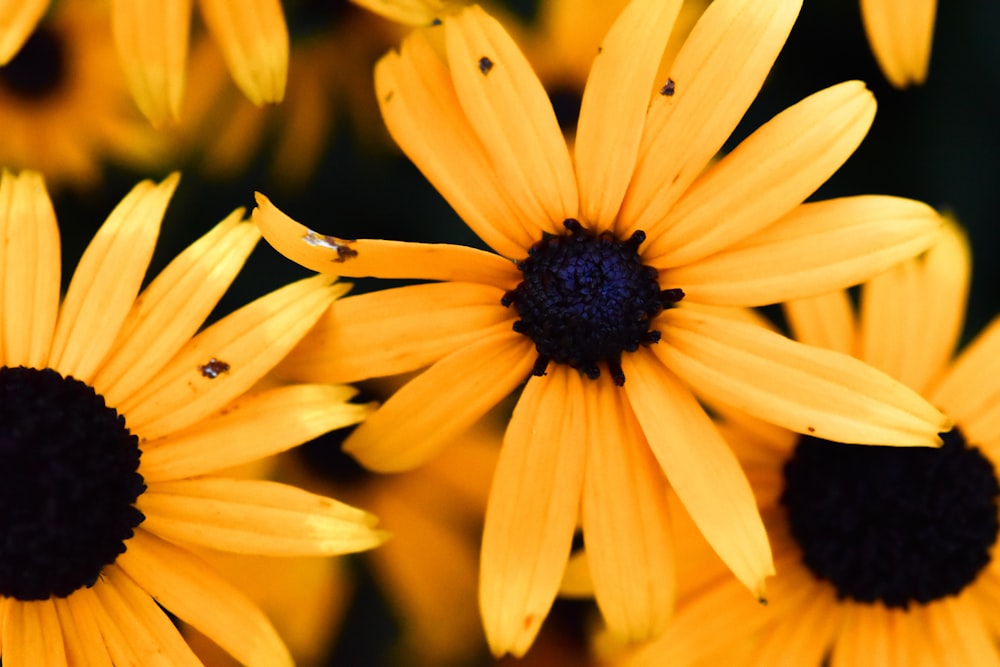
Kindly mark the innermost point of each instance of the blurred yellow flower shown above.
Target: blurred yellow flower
(115, 409)
(603, 263)
(900, 33)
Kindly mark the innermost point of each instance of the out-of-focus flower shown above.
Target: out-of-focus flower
(900, 33)
(63, 107)
(114, 412)
(884, 555)
(602, 261)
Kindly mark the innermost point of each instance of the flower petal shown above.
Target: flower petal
(32, 634)
(191, 590)
(817, 248)
(958, 624)
(511, 114)
(409, 12)
(771, 172)
(403, 329)
(900, 34)
(912, 314)
(254, 40)
(226, 359)
(717, 74)
(381, 259)
(970, 391)
(152, 41)
(614, 107)
(81, 634)
(805, 389)
(252, 427)
(30, 266)
(626, 525)
(422, 113)
(141, 629)
(532, 511)
(701, 468)
(174, 306)
(18, 19)
(107, 280)
(432, 409)
(255, 517)
(825, 321)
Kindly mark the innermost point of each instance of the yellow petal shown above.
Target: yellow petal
(701, 468)
(226, 359)
(626, 526)
(18, 19)
(381, 259)
(107, 280)
(32, 634)
(805, 389)
(152, 41)
(403, 329)
(970, 391)
(254, 40)
(410, 12)
(824, 321)
(512, 117)
(614, 106)
(817, 248)
(912, 315)
(717, 74)
(771, 172)
(252, 427)
(423, 114)
(82, 635)
(958, 625)
(255, 517)
(141, 629)
(30, 263)
(189, 588)
(900, 34)
(174, 306)
(435, 407)
(532, 510)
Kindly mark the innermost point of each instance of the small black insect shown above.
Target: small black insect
(485, 65)
(214, 368)
(668, 88)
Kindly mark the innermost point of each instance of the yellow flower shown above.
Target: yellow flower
(615, 252)
(61, 112)
(884, 555)
(900, 33)
(115, 409)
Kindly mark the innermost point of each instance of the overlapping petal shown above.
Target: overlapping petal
(18, 19)
(900, 34)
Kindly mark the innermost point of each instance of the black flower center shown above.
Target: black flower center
(892, 524)
(68, 484)
(586, 298)
(38, 68)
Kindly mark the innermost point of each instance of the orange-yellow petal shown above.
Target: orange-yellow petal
(254, 40)
(30, 265)
(512, 117)
(18, 19)
(970, 390)
(152, 41)
(900, 33)
(190, 589)
(532, 510)
(626, 525)
(381, 259)
(81, 634)
(32, 634)
(410, 12)
(701, 468)
(717, 74)
(805, 389)
(825, 321)
(403, 329)
(442, 402)
(255, 517)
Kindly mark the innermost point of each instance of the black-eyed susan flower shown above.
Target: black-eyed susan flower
(884, 555)
(61, 112)
(114, 412)
(900, 33)
(602, 261)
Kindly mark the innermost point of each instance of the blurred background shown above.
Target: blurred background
(324, 157)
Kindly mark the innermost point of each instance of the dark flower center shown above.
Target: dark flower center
(38, 68)
(586, 298)
(68, 484)
(892, 524)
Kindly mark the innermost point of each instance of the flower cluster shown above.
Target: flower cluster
(651, 385)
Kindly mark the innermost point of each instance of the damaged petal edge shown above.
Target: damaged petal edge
(341, 246)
